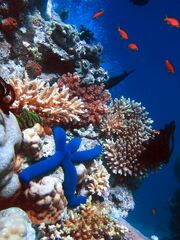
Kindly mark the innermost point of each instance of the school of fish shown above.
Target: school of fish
(172, 21)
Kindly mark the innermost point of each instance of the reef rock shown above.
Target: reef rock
(10, 139)
(15, 225)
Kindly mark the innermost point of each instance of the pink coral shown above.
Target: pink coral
(93, 96)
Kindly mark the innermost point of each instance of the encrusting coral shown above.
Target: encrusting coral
(45, 200)
(52, 106)
(128, 126)
(66, 155)
(10, 140)
(94, 97)
(88, 222)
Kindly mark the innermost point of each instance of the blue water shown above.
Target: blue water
(150, 83)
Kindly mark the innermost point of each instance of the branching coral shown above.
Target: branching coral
(52, 106)
(94, 97)
(97, 180)
(88, 222)
(128, 125)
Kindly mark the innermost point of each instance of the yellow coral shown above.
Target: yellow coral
(52, 106)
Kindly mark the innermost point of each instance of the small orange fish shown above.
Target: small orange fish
(133, 47)
(122, 33)
(98, 14)
(174, 22)
(170, 68)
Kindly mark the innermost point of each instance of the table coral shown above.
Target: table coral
(94, 97)
(66, 155)
(52, 106)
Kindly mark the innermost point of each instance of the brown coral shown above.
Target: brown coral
(88, 222)
(131, 128)
(95, 97)
(33, 68)
(45, 200)
(8, 25)
(52, 106)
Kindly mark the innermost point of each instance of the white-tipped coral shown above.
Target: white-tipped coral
(45, 100)
(97, 180)
(87, 222)
(45, 200)
(128, 125)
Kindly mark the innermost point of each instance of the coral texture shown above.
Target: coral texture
(66, 155)
(45, 200)
(10, 139)
(15, 225)
(94, 97)
(128, 125)
(52, 106)
(8, 25)
(88, 222)
(97, 180)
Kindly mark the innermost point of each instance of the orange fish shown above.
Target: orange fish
(98, 14)
(133, 47)
(174, 22)
(169, 66)
(122, 33)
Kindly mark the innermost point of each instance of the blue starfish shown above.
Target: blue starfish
(66, 155)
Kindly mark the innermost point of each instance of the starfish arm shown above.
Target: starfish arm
(85, 156)
(73, 145)
(42, 167)
(70, 178)
(59, 138)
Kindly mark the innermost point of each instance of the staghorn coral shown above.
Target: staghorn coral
(94, 97)
(128, 125)
(45, 200)
(52, 106)
(97, 180)
(88, 222)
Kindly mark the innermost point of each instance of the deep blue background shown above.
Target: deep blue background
(150, 84)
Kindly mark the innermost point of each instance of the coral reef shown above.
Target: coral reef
(94, 97)
(96, 181)
(8, 25)
(127, 125)
(10, 140)
(50, 104)
(32, 144)
(123, 201)
(88, 222)
(45, 200)
(14, 224)
(65, 156)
